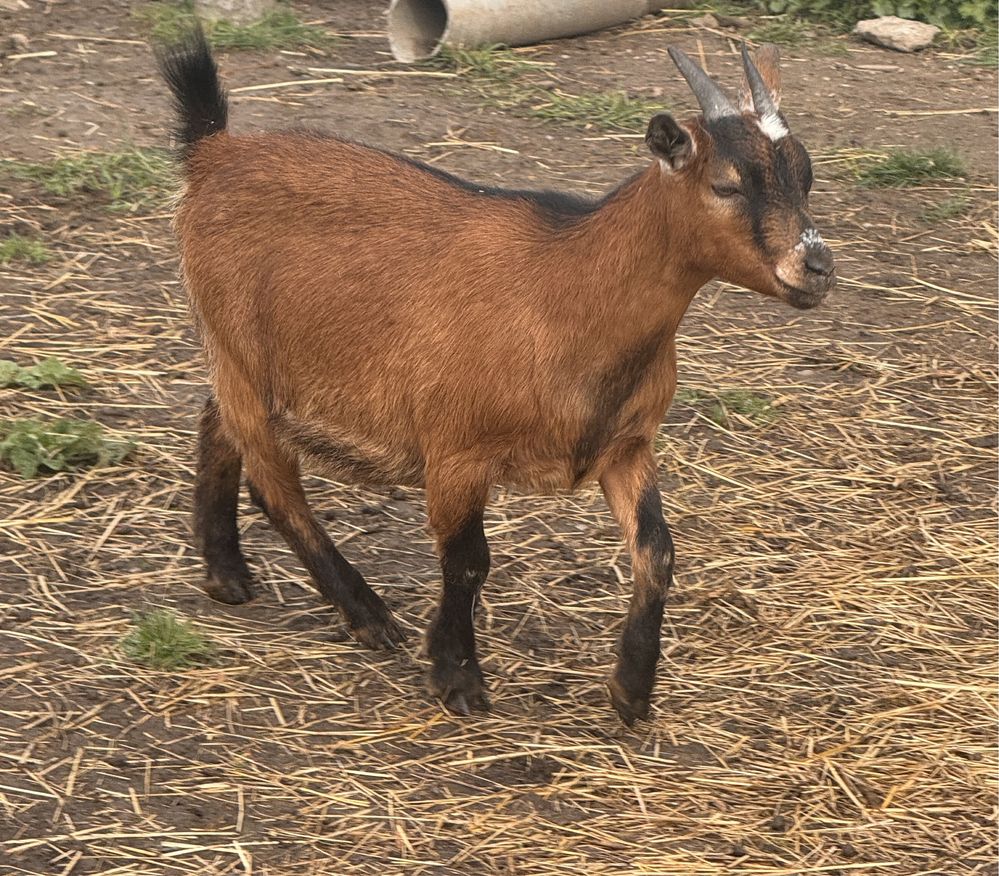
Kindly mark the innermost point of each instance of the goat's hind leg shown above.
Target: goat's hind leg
(216, 496)
(276, 487)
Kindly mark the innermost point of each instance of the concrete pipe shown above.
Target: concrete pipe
(418, 28)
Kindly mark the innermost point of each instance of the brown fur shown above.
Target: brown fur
(362, 298)
(392, 326)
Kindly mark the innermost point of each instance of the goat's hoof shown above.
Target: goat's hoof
(460, 687)
(233, 590)
(630, 707)
(371, 623)
(381, 635)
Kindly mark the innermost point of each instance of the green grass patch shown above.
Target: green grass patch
(170, 22)
(953, 207)
(609, 110)
(130, 179)
(33, 447)
(844, 13)
(986, 43)
(47, 374)
(495, 72)
(721, 407)
(23, 249)
(161, 640)
(980, 45)
(497, 63)
(911, 167)
(786, 30)
(26, 110)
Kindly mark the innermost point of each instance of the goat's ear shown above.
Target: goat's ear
(670, 143)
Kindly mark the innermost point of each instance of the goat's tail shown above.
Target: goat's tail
(199, 99)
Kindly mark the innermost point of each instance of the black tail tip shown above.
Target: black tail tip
(190, 72)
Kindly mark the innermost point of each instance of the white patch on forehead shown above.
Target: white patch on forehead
(771, 125)
(811, 237)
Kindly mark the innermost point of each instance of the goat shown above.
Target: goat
(394, 324)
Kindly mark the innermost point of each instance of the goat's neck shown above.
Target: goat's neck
(635, 277)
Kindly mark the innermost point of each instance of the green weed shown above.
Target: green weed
(786, 30)
(980, 44)
(910, 167)
(130, 179)
(986, 48)
(783, 30)
(30, 447)
(161, 640)
(280, 29)
(719, 407)
(950, 208)
(47, 374)
(23, 249)
(953, 13)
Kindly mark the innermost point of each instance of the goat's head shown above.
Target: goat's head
(740, 180)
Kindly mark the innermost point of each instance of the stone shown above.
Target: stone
(736, 22)
(706, 20)
(239, 12)
(896, 33)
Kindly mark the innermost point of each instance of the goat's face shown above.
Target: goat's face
(743, 180)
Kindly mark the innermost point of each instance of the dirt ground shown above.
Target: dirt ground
(826, 701)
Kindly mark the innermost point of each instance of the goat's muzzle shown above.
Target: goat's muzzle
(810, 276)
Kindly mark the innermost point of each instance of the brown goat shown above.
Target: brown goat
(394, 324)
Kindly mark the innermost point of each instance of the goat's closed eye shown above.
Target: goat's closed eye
(726, 190)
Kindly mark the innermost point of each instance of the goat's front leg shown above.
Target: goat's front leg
(631, 488)
(454, 509)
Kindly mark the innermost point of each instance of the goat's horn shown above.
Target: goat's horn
(713, 102)
(763, 101)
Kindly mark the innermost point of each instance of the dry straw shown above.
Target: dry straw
(827, 694)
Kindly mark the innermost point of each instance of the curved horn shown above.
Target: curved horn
(763, 101)
(713, 102)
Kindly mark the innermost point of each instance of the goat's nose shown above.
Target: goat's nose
(819, 260)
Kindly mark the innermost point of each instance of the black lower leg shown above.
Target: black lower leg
(638, 650)
(638, 654)
(216, 495)
(366, 615)
(455, 675)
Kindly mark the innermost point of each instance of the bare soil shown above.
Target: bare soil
(826, 700)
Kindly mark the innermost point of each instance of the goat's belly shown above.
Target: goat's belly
(543, 470)
(349, 458)
(571, 468)
(537, 475)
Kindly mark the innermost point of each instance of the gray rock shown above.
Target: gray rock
(737, 22)
(707, 20)
(236, 11)
(896, 33)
